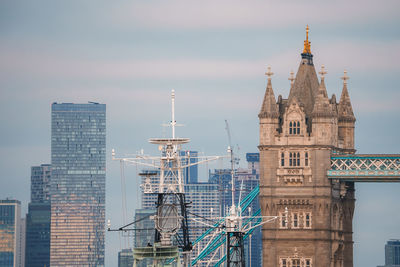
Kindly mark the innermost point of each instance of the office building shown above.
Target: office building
(125, 258)
(190, 173)
(37, 249)
(22, 240)
(144, 234)
(37, 244)
(392, 253)
(204, 208)
(77, 186)
(10, 216)
(40, 183)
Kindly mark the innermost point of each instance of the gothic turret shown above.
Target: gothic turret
(269, 108)
(269, 113)
(305, 86)
(324, 116)
(322, 105)
(346, 118)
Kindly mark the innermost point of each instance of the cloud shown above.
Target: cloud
(356, 56)
(209, 14)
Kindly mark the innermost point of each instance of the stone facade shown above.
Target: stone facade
(298, 135)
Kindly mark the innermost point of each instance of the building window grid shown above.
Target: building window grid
(294, 159)
(294, 127)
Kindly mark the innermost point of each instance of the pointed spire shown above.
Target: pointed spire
(345, 110)
(291, 78)
(307, 44)
(269, 107)
(322, 107)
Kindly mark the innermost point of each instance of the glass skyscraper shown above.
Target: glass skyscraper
(78, 159)
(10, 215)
(37, 246)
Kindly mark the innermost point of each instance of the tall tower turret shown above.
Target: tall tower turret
(324, 116)
(269, 113)
(346, 120)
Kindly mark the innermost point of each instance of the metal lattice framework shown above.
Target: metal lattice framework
(366, 168)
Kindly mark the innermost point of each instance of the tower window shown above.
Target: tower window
(282, 159)
(295, 220)
(283, 263)
(306, 159)
(283, 220)
(295, 262)
(294, 127)
(294, 159)
(308, 262)
(307, 220)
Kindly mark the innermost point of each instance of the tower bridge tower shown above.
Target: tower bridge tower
(298, 136)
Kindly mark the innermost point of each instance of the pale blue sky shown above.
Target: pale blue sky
(130, 54)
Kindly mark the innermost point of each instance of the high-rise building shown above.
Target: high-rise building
(392, 253)
(144, 234)
(40, 183)
(10, 216)
(37, 244)
(204, 199)
(125, 258)
(22, 240)
(78, 148)
(190, 174)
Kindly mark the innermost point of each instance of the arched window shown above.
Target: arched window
(282, 159)
(290, 128)
(298, 127)
(306, 159)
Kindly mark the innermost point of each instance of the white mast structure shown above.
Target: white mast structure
(171, 206)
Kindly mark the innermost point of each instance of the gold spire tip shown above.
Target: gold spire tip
(307, 44)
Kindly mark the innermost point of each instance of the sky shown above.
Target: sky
(130, 54)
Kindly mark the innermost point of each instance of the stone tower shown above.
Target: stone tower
(298, 135)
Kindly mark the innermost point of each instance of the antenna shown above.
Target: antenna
(173, 122)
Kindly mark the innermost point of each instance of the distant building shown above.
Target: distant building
(125, 258)
(37, 244)
(37, 249)
(78, 171)
(392, 253)
(40, 183)
(204, 198)
(22, 240)
(10, 215)
(145, 231)
(190, 174)
(245, 181)
(145, 226)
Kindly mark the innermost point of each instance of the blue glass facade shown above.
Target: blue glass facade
(190, 174)
(392, 253)
(40, 183)
(10, 214)
(37, 249)
(78, 157)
